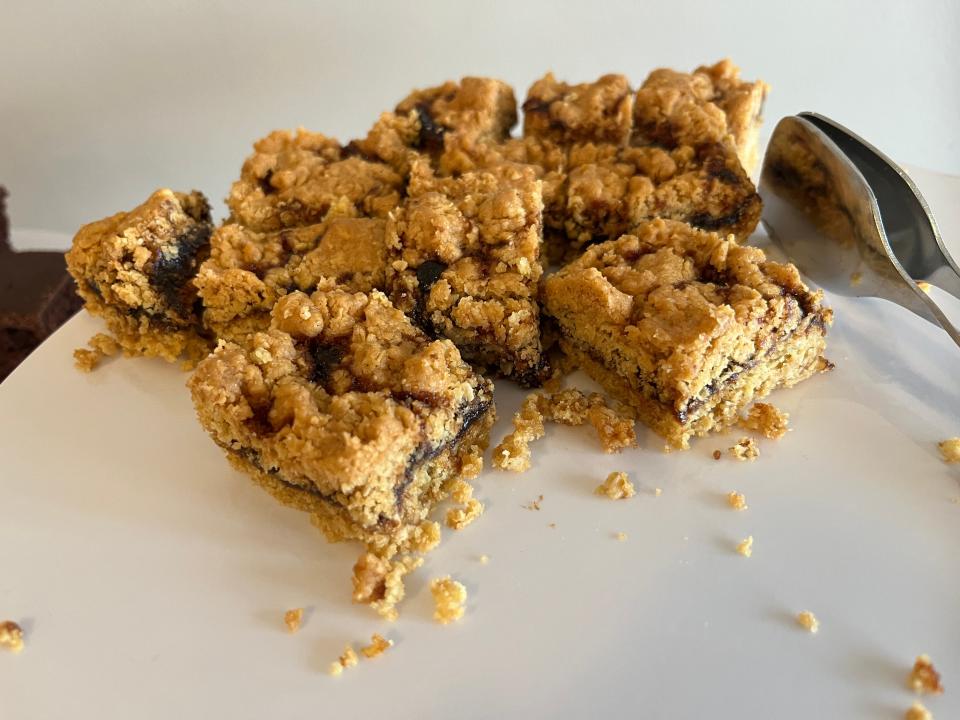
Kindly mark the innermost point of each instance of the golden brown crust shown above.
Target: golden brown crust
(135, 270)
(600, 111)
(294, 179)
(464, 262)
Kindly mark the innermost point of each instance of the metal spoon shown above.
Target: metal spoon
(851, 219)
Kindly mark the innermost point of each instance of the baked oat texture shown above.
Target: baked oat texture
(767, 420)
(346, 410)
(464, 263)
(617, 486)
(745, 450)
(296, 178)
(686, 327)
(135, 270)
(449, 598)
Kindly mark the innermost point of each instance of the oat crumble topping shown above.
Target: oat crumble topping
(347, 660)
(808, 621)
(11, 636)
(378, 645)
(950, 450)
(767, 420)
(736, 500)
(924, 678)
(745, 449)
(745, 547)
(449, 598)
(617, 486)
(459, 518)
(918, 712)
(293, 619)
(378, 582)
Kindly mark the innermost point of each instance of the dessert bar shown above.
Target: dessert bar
(344, 409)
(685, 326)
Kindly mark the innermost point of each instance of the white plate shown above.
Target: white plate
(151, 579)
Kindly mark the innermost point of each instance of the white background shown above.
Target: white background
(102, 102)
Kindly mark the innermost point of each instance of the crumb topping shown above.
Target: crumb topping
(458, 518)
(293, 619)
(513, 453)
(808, 621)
(449, 598)
(378, 645)
(918, 712)
(736, 500)
(11, 636)
(617, 486)
(924, 678)
(745, 547)
(347, 660)
(745, 449)
(767, 420)
(378, 582)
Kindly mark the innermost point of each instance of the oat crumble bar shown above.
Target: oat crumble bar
(346, 410)
(686, 327)
(464, 263)
(449, 598)
(617, 486)
(136, 269)
(924, 677)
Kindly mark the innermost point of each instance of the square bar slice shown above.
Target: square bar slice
(685, 326)
(248, 271)
(464, 263)
(136, 270)
(346, 410)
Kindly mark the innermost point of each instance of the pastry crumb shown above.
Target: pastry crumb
(617, 486)
(745, 547)
(717, 454)
(918, 712)
(449, 597)
(484, 559)
(745, 449)
(513, 453)
(378, 645)
(657, 492)
(461, 491)
(11, 636)
(621, 536)
(533, 504)
(737, 500)
(459, 518)
(766, 419)
(348, 659)
(378, 582)
(552, 526)
(293, 619)
(616, 431)
(808, 621)
(101, 346)
(950, 450)
(924, 678)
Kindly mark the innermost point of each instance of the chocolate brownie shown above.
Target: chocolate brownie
(685, 326)
(464, 263)
(36, 297)
(136, 270)
(344, 409)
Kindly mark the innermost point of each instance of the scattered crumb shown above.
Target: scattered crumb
(767, 420)
(745, 547)
(425, 537)
(950, 449)
(484, 559)
(461, 491)
(378, 582)
(533, 504)
(657, 492)
(808, 621)
(101, 346)
(471, 465)
(293, 619)
(621, 536)
(420, 538)
(918, 712)
(568, 407)
(717, 454)
(552, 526)
(449, 597)
(378, 645)
(11, 636)
(348, 659)
(615, 430)
(459, 518)
(513, 453)
(737, 501)
(856, 278)
(924, 286)
(924, 678)
(745, 449)
(616, 487)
